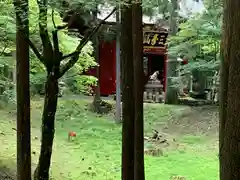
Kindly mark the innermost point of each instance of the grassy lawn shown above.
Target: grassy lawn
(95, 154)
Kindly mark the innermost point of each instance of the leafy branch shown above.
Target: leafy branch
(52, 52)
(75, 55)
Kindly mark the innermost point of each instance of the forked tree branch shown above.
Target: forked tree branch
(36, 52)
(75, 55)
(46, 42)
(31, 44)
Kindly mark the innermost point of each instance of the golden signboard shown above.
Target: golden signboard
(154, 41)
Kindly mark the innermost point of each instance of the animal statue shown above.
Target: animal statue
(154, 76)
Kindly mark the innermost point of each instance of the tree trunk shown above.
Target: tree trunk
(137, 32)
(48, 127)
(23, 95)
(128, 93)
(172, 92)
(173, 17)
(118, 115)
(223, 103)
(230, 94)
(97, 98)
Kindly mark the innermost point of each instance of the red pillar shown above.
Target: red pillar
(165, 71)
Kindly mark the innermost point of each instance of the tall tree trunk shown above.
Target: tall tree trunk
(118, 115)
(97, 98)
(223, 105)
(48, 127)
(23, 95)
(172, 92)
(230, 94)
(137, 32)
(173, 17)
(128, 93)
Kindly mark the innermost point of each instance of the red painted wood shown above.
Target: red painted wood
(165, 72)
(107, 55)
(107, 61)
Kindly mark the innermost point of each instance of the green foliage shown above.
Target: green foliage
(152, 8)
(67, 45)
(199, 40)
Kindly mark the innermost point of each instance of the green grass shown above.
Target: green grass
(95, 154)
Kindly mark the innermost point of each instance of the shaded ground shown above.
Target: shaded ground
(6, 173)
(194, 121)
(191, 134)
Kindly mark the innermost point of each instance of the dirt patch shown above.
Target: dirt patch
(188, 125)
(195, 121)
(159, 143)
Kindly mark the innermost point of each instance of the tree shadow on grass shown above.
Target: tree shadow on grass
(6, 173)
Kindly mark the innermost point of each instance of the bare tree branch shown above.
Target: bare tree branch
(36, 52)
(53, 21)
(75, 55)
(62, 27)
(3, 51)
(31, 44)
(46, 42)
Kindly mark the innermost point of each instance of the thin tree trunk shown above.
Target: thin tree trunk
(128, 93)
(23, 95)
(97, 98)
(172, 92)
(137, 32)
(230, 94)
(173, 17)
(223, 105)
(48, 127)
(118, 115)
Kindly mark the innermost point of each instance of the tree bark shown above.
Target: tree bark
(118, 115)
(97, 98)
(137, 32)
(230, 94)
(23, 94)
(172, 92)
(128, 93)
(51, 58)
(48, 127)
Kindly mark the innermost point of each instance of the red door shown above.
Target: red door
(107, 55)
